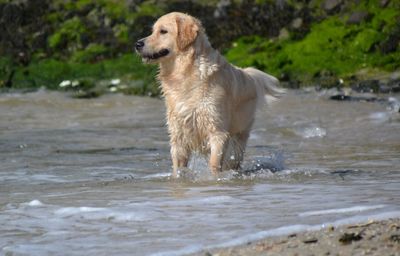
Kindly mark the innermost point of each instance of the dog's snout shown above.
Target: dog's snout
(139, 44)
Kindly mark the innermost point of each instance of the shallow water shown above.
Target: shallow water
(92, 176)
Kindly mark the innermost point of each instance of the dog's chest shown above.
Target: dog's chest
(193, 120)
(197, 116)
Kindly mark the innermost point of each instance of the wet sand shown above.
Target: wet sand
(370, 238)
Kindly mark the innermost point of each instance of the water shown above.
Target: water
(92, 176)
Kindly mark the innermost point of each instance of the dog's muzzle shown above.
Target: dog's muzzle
(150, 56)
(156, 55)
(139, 45)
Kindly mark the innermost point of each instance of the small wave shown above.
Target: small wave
(341, 210)
(218, 200)
(68, 211)
(162, 176)
(96, 213)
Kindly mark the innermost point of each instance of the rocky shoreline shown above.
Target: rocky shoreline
(326, 43)
(369, 238)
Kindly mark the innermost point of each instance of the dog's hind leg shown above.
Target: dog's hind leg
(235, 151)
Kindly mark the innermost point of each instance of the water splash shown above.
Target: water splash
(311, 132)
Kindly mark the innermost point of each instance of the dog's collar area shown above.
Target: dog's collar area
(157, 55)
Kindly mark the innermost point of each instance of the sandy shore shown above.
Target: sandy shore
(370, 238)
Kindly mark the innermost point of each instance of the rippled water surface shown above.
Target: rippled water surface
(91, 177)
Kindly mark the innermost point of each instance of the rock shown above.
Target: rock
(384, 3)
(358, 17)
(284, 34)
(310, 240)
(395, 238)
(342, 97)
(384, 88)
(394, 85)
(221, 10)
(12, 15)
(297, 23)
(348, 238)
(391, 43)
(371, 85)
(332, 6)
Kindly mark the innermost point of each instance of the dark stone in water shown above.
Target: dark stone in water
(342, 171)
(311, 240)
(86, 95)
(395, 238)
(342, 97)
(347, 238)
(258, 168)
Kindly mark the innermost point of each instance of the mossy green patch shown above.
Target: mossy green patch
(331, 46)
(121, 32)
(90, 54)
(5, 70)
(69, 34)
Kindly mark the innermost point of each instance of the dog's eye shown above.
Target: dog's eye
(163, 31)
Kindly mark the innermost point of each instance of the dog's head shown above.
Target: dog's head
(172, 35)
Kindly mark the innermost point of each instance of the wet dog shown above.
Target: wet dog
(210, 103)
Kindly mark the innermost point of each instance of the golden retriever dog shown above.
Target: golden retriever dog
(210, 103)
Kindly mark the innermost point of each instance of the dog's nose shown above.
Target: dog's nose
(139, 44)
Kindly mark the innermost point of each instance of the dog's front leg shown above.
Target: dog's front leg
(217, 144)
(180, 158)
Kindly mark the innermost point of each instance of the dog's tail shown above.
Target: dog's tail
(266, 86)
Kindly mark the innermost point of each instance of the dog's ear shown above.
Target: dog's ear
(188, 29)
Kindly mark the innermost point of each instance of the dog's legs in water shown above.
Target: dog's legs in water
(235, 151)
(180, 158)
(218, 142)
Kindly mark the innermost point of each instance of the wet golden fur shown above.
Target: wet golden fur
(210, 103)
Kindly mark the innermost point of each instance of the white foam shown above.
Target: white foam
(380, 117)
(394, 105)
(68, 211)
(218, 199)
(341, 210)
(34, 203)
(157, 175)
(312, 132)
